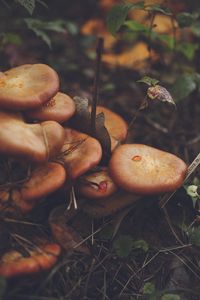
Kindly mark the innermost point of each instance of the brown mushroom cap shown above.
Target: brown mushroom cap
(109, 205)
(80, 152)
(97, 184)
(115, 125)
(60, 108)
(27, 86)
(48, 178)
(145, 170)
(34, 142)
(14, 263)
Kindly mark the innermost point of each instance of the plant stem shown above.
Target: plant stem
(143, 105)
(95, 97)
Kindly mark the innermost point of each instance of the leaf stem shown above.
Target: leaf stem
(143, 105)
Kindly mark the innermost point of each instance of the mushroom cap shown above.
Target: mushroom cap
(14, 263)
(115, 125)
(48, 177)
(27, 86)
(97, 184)
(80, 152)
(60, 108)
(146, 170)
(34, 142)
(110, 205)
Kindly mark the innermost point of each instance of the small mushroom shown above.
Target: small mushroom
(14, 263)
(33, 142)
(143, 170)
(80, 152)
(96, 184)
(60, 108)
(27, 86)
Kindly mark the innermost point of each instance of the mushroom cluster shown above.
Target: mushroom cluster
(41, 152)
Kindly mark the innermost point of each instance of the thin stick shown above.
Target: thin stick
(99, 52)
(171, 227)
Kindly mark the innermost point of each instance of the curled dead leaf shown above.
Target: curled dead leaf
(64, 234)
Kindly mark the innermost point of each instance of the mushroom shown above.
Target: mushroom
(60, 108)
(143, 170)
(136, 57)
(14, 263)
(49, 178)
(27, 86)
(80, 152)
(96, 184)
(33, 142)
(109, 205)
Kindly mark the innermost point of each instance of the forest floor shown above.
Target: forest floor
(143, 251)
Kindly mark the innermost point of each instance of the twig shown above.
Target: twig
(171, 227)
(99, 51)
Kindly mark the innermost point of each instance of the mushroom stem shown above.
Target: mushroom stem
(143, 105)
(99, 51)
(72, 199)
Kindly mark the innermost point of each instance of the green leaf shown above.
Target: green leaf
(40, 28)
(184, 86)
(148, 80)
(123, 245)
(188, 49)
(29, 5)
(141, 244)
(167, 40)
(194, 236)
(135, 26)
(149, 288)
(196, 28)
(158, 8)
(118, 15)
(185, 19)
(34, 25)
(10, 38)
(2, 287)
(42, 3)
(170, 297)
(197, 81)
(192, 190)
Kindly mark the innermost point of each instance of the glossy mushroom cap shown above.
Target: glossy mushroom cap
(97, 184)
(27, 86)
(115, 125)
(14, 263)
(144, 170)
(44, 180)
(33, 142)
(80, 152)
(60, 108)
(48, 177)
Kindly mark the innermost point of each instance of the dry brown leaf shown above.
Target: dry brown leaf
(65, 235)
